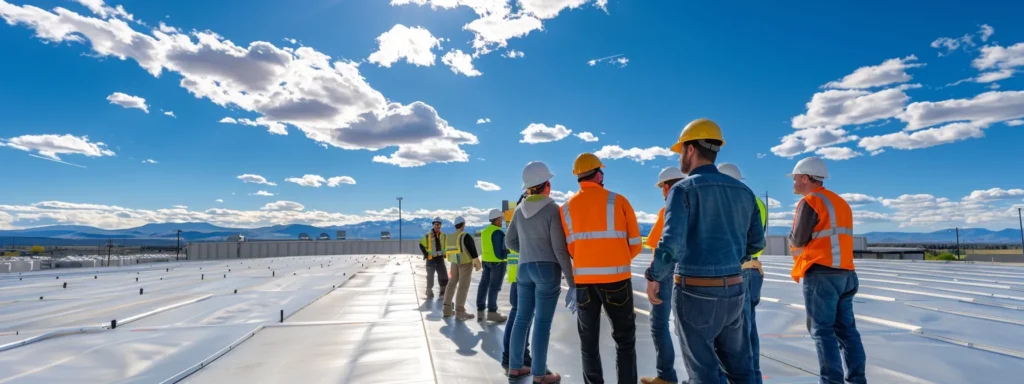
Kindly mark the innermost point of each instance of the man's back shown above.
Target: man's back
(721, 223)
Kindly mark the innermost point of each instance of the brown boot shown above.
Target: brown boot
(551, 378)
(654, 380)
(461, 315)
(496, 317)
(447, 311)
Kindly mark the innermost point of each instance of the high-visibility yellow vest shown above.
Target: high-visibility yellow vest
(454, 250)
(513, 260)
(428, 243)
(764, 223)
(487, 254)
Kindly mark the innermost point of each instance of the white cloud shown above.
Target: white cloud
(587, 136)
(639, 155)
(307, 180)
(858, 198)
(255, 179)
(514, 54)
(548, 9)
(484, 120)
(493, 31)
(646, 218)
(986, 32)
(925, 138)
(619, 60)
(105, 11)
(952, 44)
(415, 45)
(228, 120)
(460, 63)
(128, 101)
(989, 77)
(291, 40)
(891, 71)
(994, 194)
(149, 161)
(167, 29)
(1014, 123)
(486, 186)
(810, 139)
(772, 203)
(761, 155)
(329, 101)
(989, 106)
(262, 193)
(836, 108)
(339, 180)
(272, 126)
(1002, 60)
(219, 200)
(540, 133)
(52, 146)
(561, 197)
(181, 207)
(837, 153)
(170, 113)
(283, 206)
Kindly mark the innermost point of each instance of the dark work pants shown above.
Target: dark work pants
(436, 266)
(490, 285)
(617, 300)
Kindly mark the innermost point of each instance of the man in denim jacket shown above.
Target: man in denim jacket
(711, 224)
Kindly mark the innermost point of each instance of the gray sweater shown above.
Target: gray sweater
(537, 234)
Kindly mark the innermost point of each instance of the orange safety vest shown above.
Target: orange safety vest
(602, 234)
(655, 236)
(831, 242)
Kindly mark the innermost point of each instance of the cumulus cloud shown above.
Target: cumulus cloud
(414, 44)
(255, 179)
(950, 44)
(811, 139)
(170, 113)
(618, 60)
(540, 133)
(514, 54)
(219, 200)
(646, 218)
(925, 138)
(307, 180)
(836, 108)
(127, 101)
(639, 155)
(858, 198)
(228, 120)
(262, 193)
(339, 180)
(991, 106)
(283, 206)
(1014, 123)
(837, 153)
(460, 63)
(761, 155)
(999, 57)
(105, 11)
(772, 203)
(892, 71)
(149, 161)
(483, 120)
(53, 146)
(587, 136)
(561, 197)
(487, 186)
(328, 100)
(994, 194)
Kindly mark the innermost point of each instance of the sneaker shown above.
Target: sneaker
(464, 316)
(447, 311)
(496, 317)
(654, 380)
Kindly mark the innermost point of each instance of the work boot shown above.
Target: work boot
(464, 316)
(655, 380)
(496, 317)
(447, 311)
(480, 316)
(550, 378)
(430, 295)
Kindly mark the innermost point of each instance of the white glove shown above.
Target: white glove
(570, 300)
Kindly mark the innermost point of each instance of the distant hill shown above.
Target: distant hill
(165, 233)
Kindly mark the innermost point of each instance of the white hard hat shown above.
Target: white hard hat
(811, 166)
(731, 170)
(669, 173)
(459, 220)
(536, 173)
(437, 220)
(493, 214)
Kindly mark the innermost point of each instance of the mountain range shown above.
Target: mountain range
(165, 233)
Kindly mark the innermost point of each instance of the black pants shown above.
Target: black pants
(617, 300)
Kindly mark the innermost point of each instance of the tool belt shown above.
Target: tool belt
(724, 281)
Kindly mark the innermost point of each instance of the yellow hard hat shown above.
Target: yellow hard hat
(586, 162)
(700, 129)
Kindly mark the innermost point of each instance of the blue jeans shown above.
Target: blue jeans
(539, 288)
(490, 285)
(712, 328)
(828, 296)
(752, 281)
(513, 296)
(666, 358)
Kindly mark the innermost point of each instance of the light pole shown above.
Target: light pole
(177, 252)
(1021, 223)
(399, 224)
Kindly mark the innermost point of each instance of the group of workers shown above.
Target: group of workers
(705, 268)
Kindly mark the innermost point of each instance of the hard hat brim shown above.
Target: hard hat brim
(678, 146)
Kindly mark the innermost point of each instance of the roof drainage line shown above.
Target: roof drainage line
(981, 347)
(788, 364)
(143, 315)
(991, 304)
(967, 314)
(52, 334)
(416, 288)
(210, 359)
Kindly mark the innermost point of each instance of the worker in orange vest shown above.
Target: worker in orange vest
(666, 354)
(822, 247)
(603, 238)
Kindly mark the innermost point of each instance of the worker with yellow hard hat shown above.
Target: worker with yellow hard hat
(712, 224)
(603, 238)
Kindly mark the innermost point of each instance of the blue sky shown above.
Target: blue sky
(918, 109)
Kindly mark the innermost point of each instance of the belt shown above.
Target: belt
(723, 281)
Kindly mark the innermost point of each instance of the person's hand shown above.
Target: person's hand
(570, 300)
(754, 264)
(653, 287)
(476, 265)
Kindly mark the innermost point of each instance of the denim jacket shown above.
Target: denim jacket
(712, 223)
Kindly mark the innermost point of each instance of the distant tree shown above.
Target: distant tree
(37, 249)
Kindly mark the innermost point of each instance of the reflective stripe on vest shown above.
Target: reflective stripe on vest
(600, 270)
(513, 265)
(609, 233)
(429, 240)
(832, 233)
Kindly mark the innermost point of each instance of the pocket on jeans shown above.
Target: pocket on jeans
(697, 310)
(618, 297)
(545, 273)
(582, 296)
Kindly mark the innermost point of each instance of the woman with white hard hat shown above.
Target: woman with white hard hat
(536, 233)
